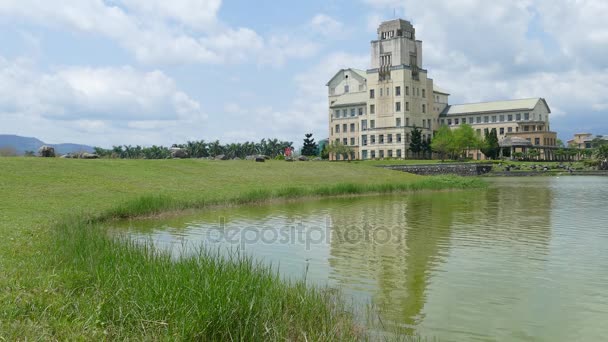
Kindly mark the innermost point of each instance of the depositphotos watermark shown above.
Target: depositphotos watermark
(301, 234)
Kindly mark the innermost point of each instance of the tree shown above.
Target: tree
(339, 149)
(560, 143)
(325, 152)
(416, 141)
(466, 139)
(533, 153)
(310, 146)
(491, 148)
(443, 141)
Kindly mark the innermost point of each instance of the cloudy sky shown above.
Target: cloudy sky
(106, 72)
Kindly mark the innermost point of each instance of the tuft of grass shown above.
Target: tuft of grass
(126, 290)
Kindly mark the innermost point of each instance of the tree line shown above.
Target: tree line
(198, 149)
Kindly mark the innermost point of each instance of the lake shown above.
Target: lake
(524, 260)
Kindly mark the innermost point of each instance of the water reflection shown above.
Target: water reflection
(513, 262)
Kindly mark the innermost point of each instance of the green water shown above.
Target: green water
(525, 260)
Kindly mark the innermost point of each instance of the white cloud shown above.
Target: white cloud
(159, 32)
(328, 26)
(96, 103)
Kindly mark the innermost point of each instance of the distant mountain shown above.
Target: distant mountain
(23, 144)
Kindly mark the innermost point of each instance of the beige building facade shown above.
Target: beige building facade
(374, 111)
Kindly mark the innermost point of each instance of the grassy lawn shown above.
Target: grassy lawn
(63, 279)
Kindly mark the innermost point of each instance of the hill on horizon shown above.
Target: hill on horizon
(23, 144)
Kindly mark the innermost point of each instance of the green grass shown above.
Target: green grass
(62, 278)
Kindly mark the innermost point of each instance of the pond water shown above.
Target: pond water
(525, 260)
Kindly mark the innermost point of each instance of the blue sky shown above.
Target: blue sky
(158, 72)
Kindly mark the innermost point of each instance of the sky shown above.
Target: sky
(144, 72)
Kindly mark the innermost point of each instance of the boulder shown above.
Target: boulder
(289, 159)
(86, 155)
(221, 157)
(178, 153)
(260, 159)
(236, 158)
(303, 158)
(318, 159)
(250, 158)
(46, 152)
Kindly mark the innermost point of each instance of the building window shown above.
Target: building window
(398, 138)
(418, 92)
(398, 153)
(407, 91)
(397, 91)
(501, 118)
(407, 122)
(352, 141)
(344, 128)
(478, 119)
(364, 154)
(389, 138)
(345, 141)
(449, 122)
(352, 127)
(344, 113)
(398, 122)
(373, 154)
(424, 108)
(510, 117)
(337, 141)
(397, 106)
(337, 157)
(493, 118)
(380, 91)
(424, 93)
(337, 114)
(536, 141)
(381, 139)
(407, 137)
(360, 111)
(518, 117)
(372, 139)
(502, 130)
(372, 124)
(486, 119)
(387, 92)
(364, 140)
(372, 109)
(443, 121)
(381, 153)
(346, 89)
(390, 153)
(526, 116)
(372, 94)
(363, 125)
(471, 120)
(407, 106)
(337, 128)
(352, 112)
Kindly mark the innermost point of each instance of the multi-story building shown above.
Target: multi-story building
(519, 124)
(585, 140)
(375, 111)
